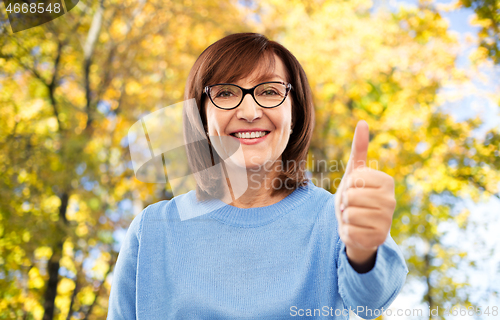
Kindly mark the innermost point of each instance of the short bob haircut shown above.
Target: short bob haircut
(232, 58)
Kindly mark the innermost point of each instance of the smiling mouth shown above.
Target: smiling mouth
(250, 135)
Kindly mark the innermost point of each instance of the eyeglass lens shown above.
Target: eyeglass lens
(228, 96)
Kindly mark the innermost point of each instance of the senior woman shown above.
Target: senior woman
(274, 245)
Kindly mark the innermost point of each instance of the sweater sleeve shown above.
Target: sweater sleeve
(122, 298)
(376, 289)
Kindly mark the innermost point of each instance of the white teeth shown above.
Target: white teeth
(250, 135)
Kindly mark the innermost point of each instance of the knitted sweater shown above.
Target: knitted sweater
(282, 261)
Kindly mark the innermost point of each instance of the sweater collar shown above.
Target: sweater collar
(252, 217)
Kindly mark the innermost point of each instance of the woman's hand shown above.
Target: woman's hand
(364, 204)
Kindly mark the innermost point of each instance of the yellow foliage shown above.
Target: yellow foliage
(384, 67)
(51, 204)
(86, 295)
(35, 279)
(484, 23)
(65, 286)
(100, 267)
(43, 253)
(68, 263)
(462, 218)
(26, 236)
(82, 229)
(33, 306)
(68, 248)
(62, 303)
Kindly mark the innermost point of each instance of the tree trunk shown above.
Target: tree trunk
(51, 291)
(53, 264)
(428, 295)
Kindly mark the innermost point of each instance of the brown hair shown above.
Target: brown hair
(232, 58)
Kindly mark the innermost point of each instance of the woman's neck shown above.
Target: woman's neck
(261, 183)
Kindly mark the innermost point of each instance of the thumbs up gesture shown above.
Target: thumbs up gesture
(364, 204)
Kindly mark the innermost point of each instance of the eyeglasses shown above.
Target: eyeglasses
(229, 96)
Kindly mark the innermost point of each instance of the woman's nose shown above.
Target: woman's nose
(249, 109)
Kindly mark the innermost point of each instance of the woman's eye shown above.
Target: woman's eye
(223, 94)
(270, 92)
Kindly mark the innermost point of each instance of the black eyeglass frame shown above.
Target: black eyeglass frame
(250, 91)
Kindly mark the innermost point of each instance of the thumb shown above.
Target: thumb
(359, 148)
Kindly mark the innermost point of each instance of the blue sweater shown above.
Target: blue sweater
(283, 261)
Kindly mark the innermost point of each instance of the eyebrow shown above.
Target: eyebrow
(268, 77)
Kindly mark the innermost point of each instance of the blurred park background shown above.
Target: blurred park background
(424, 75)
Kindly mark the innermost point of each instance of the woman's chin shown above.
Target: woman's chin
(251, 164)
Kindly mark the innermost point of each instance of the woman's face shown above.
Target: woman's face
(227, 126)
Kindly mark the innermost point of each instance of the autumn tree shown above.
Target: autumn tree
(488, 18)
(387, 68)
(70, 90)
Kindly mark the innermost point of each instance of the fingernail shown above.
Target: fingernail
(341, 207)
